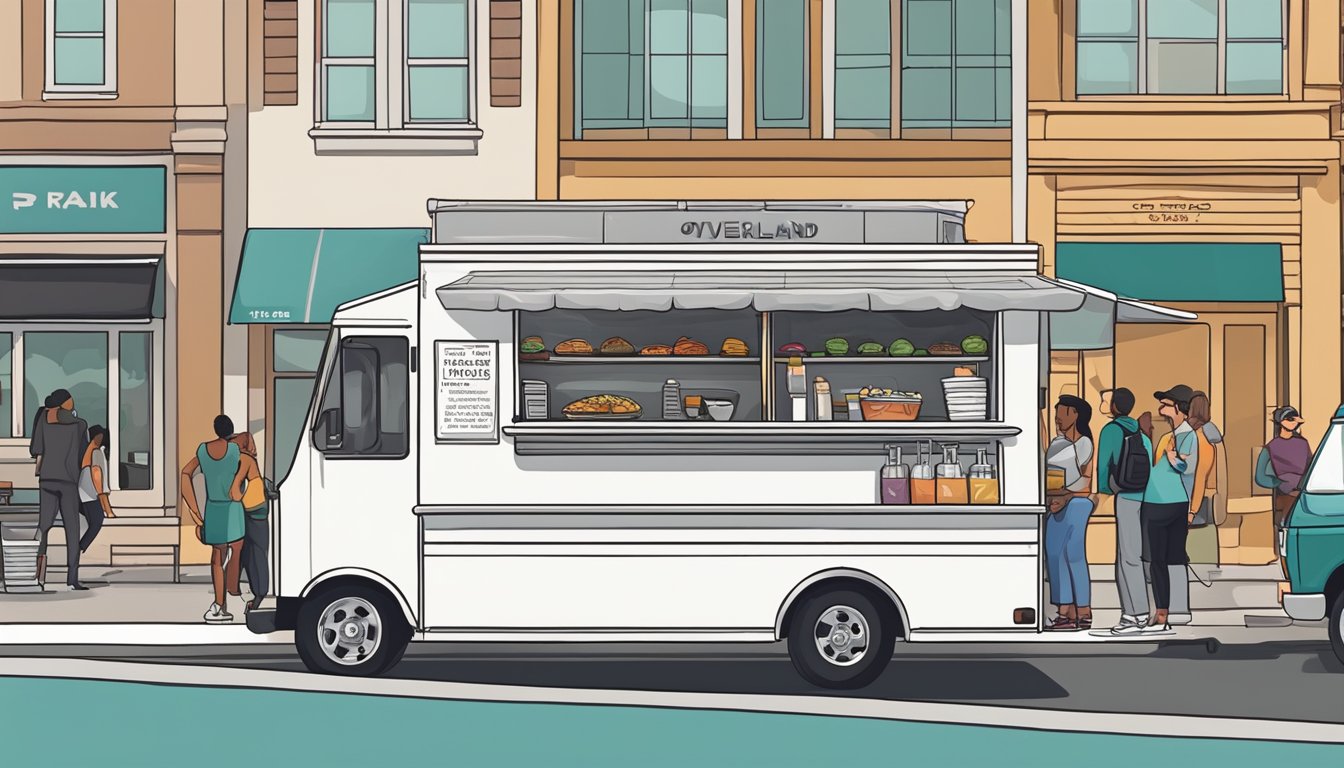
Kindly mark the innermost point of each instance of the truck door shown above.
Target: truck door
(363, 477)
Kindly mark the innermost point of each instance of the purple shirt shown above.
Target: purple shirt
(1289, 459)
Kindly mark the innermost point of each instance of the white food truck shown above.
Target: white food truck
(669, 422)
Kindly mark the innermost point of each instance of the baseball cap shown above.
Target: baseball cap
(1177, 394)
(1284, 413)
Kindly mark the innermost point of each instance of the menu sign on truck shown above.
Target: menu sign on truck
(466, 398)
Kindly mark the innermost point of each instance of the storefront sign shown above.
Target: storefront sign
(466, 396)
(46, 199)
(1171, 211)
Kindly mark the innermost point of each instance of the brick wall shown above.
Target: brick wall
(280, 52)
(506, 53)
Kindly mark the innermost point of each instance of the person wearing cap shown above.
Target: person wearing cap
(1166, 501)
(1284, 461)
(58, 445)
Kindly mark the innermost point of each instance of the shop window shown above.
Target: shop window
(296, 358)
(72, 360)
(863, 64)
(782, 64)
(955, 64)
(651, 64)
(364, 408)
(379, 82)
(298, 351)
(1180, 47)
(133, 441)
(7, 404)
(81, 48)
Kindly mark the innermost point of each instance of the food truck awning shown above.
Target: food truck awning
(1092, 326)
(764, 291)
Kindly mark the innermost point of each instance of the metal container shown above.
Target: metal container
(672, 410)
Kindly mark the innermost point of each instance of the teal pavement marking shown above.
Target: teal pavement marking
(61, 722)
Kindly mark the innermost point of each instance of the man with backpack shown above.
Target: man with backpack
(1124, 462)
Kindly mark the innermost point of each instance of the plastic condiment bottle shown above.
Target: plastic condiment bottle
(895, 481)
(984, 486)
(797, 383)
(822, 397)
(923, 487)
(951, 483)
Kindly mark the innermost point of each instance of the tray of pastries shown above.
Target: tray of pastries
(602, 408)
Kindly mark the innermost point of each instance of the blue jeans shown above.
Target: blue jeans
(1066, 553)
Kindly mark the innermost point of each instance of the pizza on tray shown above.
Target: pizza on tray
(602, 405)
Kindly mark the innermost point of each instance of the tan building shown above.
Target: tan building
(113, 219)
(1186, 153)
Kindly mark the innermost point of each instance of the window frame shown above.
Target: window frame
(17, 445)
(51, 90)
(333, 374)
(1141, 41)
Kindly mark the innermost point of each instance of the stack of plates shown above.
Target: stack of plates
(535, 399)
(967, 398)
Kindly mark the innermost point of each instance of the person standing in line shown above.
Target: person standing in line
(257, 529)
(1284, 461)
(1066, 528)
(94, 487)
(58, 445)
(1124, 461)
(1166, 501)
(221, 525)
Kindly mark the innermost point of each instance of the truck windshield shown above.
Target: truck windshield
(1327, 471)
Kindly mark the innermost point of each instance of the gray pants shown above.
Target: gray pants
(1130, 570)
(56, 496)
(256, 543)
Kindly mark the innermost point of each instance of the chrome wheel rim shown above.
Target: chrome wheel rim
(842, 635)
(349, 631)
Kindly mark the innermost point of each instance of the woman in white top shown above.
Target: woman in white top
(1066, 525)
(94, 486)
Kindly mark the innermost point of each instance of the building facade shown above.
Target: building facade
(1187, 152)
(361, 112)
(114, 155)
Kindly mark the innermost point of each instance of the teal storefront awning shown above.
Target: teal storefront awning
(302, 275)
(1176, 271)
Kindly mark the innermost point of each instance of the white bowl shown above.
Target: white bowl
(719, 410)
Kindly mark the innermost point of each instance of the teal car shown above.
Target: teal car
(1311, 542)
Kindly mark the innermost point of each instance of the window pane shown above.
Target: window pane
(79, 61)
(1108, 68)
(863, 97)
(1254, 18)
(975, 27)
(1003, 95)
(607, 86)
(1108, 18)
(1327, 473)
(667, 88)
(781, 62)
(863, 63)
(709, 26)
(298, 351)
(375, 384)
(1183, 19)
(926, 95)
(6, 385)
(437, 29)
(66, 360)
(612, 26)
(928, 28)
(862, 26)
(669, 27)
(975, 94)
(79, 16)
(350, 93)
(349, 26)
(438, 93)
(709, 87)
(290, 401)
(1182, 68)
(134, 440)
(1254, 68)
(612, 63)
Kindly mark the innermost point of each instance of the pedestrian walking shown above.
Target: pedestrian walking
(220, 524)
(1124, 462)
(94, 486)
(1284, 461)
(1166, 501)
(1066, 526)
(58, 444)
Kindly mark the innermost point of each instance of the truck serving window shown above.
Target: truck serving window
(1327, 471)
(364, 403)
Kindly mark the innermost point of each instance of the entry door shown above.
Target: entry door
(1244, 384)
(363, 478)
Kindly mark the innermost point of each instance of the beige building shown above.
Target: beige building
(113, 234)
(1187, 154)
(361, 112)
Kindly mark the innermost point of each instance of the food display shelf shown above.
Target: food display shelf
(924, 359)
(658, 438)
(623, 359)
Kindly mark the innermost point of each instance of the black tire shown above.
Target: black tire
(392, 635)
(1337, 627)
(826, 669)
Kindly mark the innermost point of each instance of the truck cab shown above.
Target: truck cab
(1311, 541)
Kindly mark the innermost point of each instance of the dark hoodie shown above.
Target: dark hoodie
(61, 446)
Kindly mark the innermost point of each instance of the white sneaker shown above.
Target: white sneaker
(1130, 625)
(217, 615)
(1179, 619)
(1157, 629)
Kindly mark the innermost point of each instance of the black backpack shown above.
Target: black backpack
(1130, 473)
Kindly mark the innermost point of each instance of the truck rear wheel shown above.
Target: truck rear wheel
(351, 630)
(1337, 627)
(841, 638)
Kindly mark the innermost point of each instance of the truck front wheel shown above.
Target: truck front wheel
(841, 638)
(351, 630)
(1337, 626)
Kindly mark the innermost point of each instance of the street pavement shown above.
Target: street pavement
(1297, 680)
